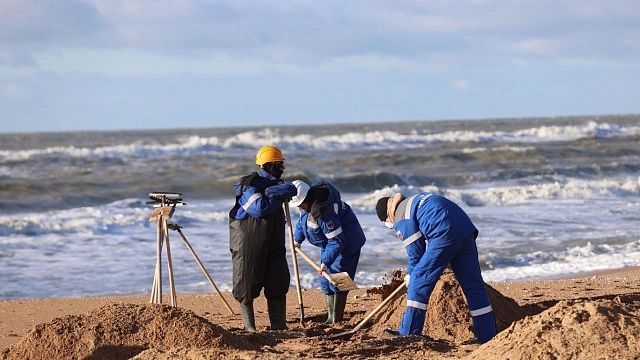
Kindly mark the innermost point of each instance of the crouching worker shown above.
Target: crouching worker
(329, 223)
(436, 232)
(256, 239)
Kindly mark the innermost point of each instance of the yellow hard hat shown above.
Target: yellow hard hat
(268, 154)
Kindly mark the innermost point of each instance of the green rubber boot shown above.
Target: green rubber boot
(340, 304)
(277, 313)
(330, 300)
(248, 318)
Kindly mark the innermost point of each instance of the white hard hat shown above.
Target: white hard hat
(303, 189)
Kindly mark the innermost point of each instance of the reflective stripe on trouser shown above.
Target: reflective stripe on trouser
(344, 262)
(467, 270)
(463, 257)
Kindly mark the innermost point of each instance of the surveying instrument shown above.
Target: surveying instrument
(165, 205)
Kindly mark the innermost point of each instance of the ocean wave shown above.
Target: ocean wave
(246, 142)
(574, 260)
(104, 219)
(516, 149)
(98, 219)
(506, 195)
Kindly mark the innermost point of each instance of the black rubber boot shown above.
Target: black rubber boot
(248, 318)
(277, 313)
(389, 333)
(330, 300)
(340, 304)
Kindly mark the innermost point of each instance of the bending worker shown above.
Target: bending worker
(329, 223)
(436, 232)
(256, 239)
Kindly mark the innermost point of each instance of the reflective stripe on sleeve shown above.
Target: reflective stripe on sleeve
(334, 233)
(311, 224)
(412, 238)
(424, 198)
(251, 200)
(482, 311)
(417, 305)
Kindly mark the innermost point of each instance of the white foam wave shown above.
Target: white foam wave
(504, 195)
(392, 139)
(81, 220)
(205, 216)
(369, 140)
(574, 260)
(517, 149)
(100, 219)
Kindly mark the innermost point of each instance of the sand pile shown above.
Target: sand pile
(120, 331)
(601, 329)
(447, 314)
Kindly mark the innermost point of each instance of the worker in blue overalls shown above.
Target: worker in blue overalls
(329, 223)
(436, 232)
(256, 239)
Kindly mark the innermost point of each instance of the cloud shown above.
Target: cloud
(538, 46)
(316, 33)
(13, 91)
(460, 84)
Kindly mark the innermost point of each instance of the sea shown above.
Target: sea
(551, 197)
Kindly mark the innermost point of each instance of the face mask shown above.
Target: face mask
(388, 224)
(275, 169)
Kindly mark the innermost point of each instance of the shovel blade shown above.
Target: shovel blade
(343, 281)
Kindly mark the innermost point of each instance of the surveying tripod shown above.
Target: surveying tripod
(165, 205)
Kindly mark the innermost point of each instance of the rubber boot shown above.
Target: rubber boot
(248, 318)
(330, 300)
(340, 304)
(277, 313)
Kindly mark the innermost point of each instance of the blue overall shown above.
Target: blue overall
(337, 233)
(436, 232)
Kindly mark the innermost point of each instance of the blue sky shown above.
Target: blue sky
(127, 64)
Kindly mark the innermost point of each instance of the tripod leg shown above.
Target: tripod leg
(156, 292)
(170, 265)
(206, 273)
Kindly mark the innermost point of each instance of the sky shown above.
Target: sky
(144, 64)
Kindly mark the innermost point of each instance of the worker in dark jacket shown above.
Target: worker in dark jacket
(257, 243)
(329, 223)
(436, 232)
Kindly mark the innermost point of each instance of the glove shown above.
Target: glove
(406, 279)
(323, 268)
(281, 191)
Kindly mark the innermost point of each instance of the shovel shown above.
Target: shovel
(371, 314)
(295, 262)
(340, 280)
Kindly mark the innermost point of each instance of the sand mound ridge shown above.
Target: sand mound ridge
(447, 313)
(120, 331)
(599, 329)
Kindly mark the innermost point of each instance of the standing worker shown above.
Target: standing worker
(329, 223)
(256, 239)
(436, 232)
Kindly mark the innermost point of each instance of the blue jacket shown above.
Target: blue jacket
(431, 220)
(251, 199)
(337, 230)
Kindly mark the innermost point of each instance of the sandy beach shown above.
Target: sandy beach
(592, 316)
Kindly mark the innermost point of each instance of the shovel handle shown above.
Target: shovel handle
(382, 304)
(295, 261)
(314, 265)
